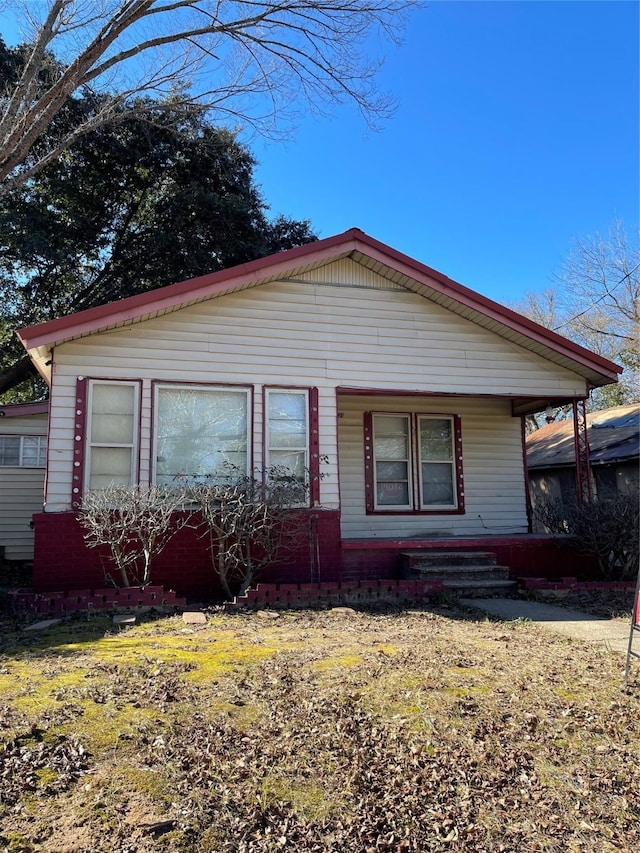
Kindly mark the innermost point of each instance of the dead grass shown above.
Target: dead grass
(316, 731)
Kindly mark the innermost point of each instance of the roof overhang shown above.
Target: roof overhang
(41, 340)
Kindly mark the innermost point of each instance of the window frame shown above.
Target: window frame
(158, 385)
(313, 436)
(415, 506)
(41, 452)
(84, 405)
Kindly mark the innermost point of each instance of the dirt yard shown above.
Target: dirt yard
(315, 731)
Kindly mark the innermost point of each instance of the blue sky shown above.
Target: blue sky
(516, 131)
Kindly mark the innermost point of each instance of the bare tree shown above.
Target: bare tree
(250, 62)
(597, 304)
(135, 523)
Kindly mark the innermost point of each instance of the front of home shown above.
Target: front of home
(399, 391)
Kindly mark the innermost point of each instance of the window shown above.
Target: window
(201, 432)
(413, 463)
(287, 435)
(112, 434)
(23, 451)
(287, 431)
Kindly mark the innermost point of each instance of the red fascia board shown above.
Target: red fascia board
(18, 410)
(173, 295)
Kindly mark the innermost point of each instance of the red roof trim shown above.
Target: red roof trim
(354, 239)
(17, 410)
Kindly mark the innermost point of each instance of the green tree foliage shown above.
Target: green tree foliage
(252, 63)
(155, 199)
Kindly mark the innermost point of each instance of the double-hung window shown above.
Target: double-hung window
(201, 433)
(413, 463)
(112, 446)
(287, 435)
(23, 451)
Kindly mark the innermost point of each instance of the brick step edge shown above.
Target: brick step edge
(25, 602)
(448, 558)
(458, 572)
(291, 596)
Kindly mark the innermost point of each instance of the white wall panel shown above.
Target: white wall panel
(308, 334)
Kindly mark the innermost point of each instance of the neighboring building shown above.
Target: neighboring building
(23, 453)
(399, 390)
(614, 451)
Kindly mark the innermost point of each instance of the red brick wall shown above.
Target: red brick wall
(62, 560)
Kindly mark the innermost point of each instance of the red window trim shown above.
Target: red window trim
(80, 437)
(314, 434)
(369, 465)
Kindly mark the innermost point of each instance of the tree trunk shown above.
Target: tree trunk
(17, 374)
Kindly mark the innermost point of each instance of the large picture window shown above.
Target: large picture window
(413, 463)
(201, 433)
(112, 434)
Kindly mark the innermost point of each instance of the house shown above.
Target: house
(401, 391)
(23, 444)
(614, 454)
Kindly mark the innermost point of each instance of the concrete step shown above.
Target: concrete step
(428, 557)
(469, 572)
(480, 588)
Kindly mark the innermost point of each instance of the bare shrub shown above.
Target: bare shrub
(135, 523)
(250, 521)
(607, 527)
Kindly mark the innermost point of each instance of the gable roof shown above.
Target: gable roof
(613, 436)
(40, 340)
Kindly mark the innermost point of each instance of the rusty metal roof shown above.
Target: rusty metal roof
(613, 434)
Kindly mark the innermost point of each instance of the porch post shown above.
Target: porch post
(583, 469)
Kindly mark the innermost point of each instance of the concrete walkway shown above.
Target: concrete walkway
(611, 634)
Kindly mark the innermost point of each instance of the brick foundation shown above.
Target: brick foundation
(62, 560)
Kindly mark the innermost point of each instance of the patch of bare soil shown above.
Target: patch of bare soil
(329, 731)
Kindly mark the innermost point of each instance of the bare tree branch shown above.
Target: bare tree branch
(214, 53)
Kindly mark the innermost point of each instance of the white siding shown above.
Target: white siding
(21, 492)
(493, 485)
(300, 333)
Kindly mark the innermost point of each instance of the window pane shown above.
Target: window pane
(112, 414)
(110, 466)
(292, 462)
(200, 432)
(9, 450)
(391, 447)
(287, 419)
(435, 439)
(437, 484)
(33, 451)
(389, 471)
(392, 494)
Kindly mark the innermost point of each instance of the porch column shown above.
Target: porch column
(583, 469)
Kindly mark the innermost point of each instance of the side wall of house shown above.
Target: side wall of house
(21, 492)
(343, 326)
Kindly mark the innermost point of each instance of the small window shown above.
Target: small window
(392, 461)
(437, 466)
(23, 451)
(201, 433)
(112, 434)
(287, 435)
